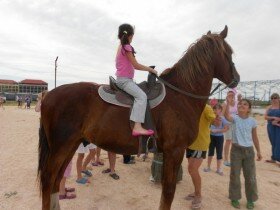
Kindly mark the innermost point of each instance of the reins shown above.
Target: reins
(191, 94)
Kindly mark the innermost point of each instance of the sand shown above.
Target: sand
(18, 186)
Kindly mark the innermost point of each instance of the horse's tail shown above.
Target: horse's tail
(43, 155)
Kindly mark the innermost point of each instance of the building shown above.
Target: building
(9, 86)
(28, 87)
(32, 86)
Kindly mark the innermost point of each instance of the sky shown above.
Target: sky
(83, 34)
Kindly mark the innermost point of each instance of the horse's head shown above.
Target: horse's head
(224, 68)
(209, 57)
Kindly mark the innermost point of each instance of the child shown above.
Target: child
(64, 191)
(242, 153)
(112, 163)
(217, 139)
(196, 152)
(81, 165)
(125, 65)
(97, 161)
(228, 134)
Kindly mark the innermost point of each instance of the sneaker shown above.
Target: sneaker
(206, 169)
(235, 204)
(250, 205)
(152, 179)
(226, 163)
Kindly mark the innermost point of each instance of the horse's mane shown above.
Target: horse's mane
(198, 57)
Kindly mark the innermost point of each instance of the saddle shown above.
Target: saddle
(152, 89)
(155, 92)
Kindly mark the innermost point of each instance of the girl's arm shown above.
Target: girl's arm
(256, 143)
(224, 109)
(137, 65)
(223, 130)
(227, 114)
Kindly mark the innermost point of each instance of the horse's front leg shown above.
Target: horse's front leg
(172, 160)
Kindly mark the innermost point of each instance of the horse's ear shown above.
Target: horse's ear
(209, 33)
(223, 34)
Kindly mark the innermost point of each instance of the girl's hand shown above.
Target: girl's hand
(153, 71)
(275, 122)
(277, 118)
(259, 156)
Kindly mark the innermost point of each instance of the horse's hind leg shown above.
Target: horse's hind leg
(172, 161)
(50, 199)
(46, 200)
(54, 201)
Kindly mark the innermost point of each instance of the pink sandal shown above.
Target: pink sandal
(70, 189)
(148, 133)
(94, 164)
(100, 163)
(65, 196)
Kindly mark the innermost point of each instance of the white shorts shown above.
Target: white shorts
(228, 134)
(82, 149)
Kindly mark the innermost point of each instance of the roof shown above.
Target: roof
(33, 82)
(7, 81)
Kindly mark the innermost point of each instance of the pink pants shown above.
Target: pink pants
(68, 169)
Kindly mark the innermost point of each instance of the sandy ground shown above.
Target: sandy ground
(18, 165)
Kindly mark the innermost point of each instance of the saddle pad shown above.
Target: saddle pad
(111, 98)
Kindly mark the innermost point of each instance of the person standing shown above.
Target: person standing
(112, 163)
(65, 192)
(242, 155)
(197, 152)
(96, 161)
(217, 140)
(81, 164)
(2, 103)
(228, 133)
(20, 102)
(272, 115)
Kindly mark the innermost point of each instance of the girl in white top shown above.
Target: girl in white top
(228, 135)
(242, 154)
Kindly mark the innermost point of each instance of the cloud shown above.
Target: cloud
(83, 34)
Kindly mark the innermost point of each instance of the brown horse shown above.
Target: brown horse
(64, 124)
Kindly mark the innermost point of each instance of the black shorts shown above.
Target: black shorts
(195, 153)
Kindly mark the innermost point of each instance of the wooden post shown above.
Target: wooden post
(55, 72)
